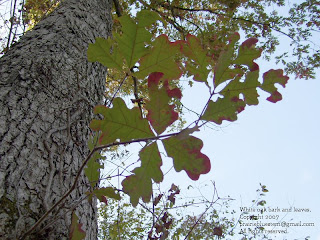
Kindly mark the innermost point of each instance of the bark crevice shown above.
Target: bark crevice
(47, 92)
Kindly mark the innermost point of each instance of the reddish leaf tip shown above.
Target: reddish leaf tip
(275, 97)
(254, 67)
(235, 99)
(104, 199)
(206, 164)
(176, 92)
(80, 228)
(154, 78)
(249, 42)
(234, 37)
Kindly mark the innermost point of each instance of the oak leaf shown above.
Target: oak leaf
(187, 156)
(160, 113)
(140, 183)
(120, 123)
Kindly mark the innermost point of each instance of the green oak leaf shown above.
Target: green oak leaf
(132, 41)
(76, 232)
(160, 113)
(130, 45)
(187, 156)
(247, 52)
(100, 51)
(248, 88)
(120, 123)
(269, 79)
(229, 67)
(198, 61)
(222, 71)
(106, 192)
(224, 109)
(139, 185)
(92, 170)
(161, 58)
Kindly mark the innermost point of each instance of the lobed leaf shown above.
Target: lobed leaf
(100, 51)
(269, 79)
(186, 155)
(222, 71)
(120, 123)
(239, 82)
(161, 58)
(132, 41)
(198, 61)
(139, 185)
(160, 113)
(223, 109)
(247, 52)
(247, 88)
(130, 45)
(76, 232)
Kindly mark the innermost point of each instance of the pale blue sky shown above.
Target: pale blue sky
(275, 144)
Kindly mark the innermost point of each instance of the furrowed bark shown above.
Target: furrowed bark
(47, 92)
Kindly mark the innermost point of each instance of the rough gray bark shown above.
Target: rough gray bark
(47, 92)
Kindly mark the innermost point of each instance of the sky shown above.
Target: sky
(277, 145)
(273, 144)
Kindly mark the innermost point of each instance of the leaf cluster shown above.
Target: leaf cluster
(158, 62)
(202, 18)
(256, 18)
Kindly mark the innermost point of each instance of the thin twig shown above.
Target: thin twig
(75, 182)
(233, 18)
(198, 220)
(178, 27)
(12, 19)
(116, 92)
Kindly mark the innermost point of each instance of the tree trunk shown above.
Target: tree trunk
(47, 92)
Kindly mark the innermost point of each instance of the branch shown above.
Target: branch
(116, 92)
(12, 20)
(178, 27)
(226, 15)
(118, 8)
(211, 204)
(74, 185)
(135, 92)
